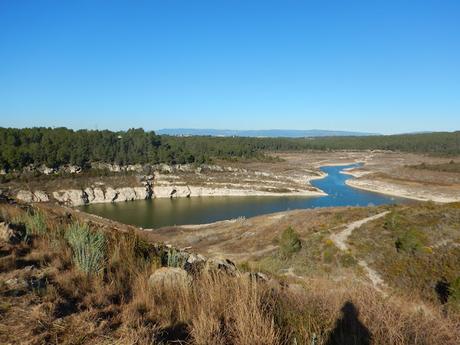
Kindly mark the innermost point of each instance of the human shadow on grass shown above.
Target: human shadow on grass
(348, 329)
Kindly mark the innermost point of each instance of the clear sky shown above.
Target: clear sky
(379, 66)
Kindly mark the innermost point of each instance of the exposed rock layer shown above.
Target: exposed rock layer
(78, 197)
(177, 181)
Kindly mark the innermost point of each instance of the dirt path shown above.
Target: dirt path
(340, 240)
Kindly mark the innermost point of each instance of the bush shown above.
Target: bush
(410, 241)
(289, 242)
(35, 224)
(88, 248)
(174, 258)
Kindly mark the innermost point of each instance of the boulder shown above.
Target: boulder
(221, 264)
(115, 168)
(165, 168)
(25, 195)
(45, 170)
(169, 278)
(135, 167)
(194, 263)
(74, 169)
(48, 171)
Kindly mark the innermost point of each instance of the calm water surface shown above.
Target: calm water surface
(197, 210)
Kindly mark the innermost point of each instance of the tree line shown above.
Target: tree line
(54, 147)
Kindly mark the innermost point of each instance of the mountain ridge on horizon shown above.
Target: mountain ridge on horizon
(286, 133)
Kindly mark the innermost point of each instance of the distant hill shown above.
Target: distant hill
(272, 133)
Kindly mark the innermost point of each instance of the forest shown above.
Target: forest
(54, 147)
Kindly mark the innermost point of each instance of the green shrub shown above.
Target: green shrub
(289, 242)
(35, 224)
(347, 260)
(410, 241)
(174, 258)
(88, 248)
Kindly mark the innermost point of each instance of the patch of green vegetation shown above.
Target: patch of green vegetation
(174, 258)
(244, 266)
(34, 223)
(88, 248)
(347, 260)
(410, 241)
(289, 243)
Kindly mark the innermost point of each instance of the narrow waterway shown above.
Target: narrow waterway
(197, 210)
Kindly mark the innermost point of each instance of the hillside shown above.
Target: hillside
(127, 289)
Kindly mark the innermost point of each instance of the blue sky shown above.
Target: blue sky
(378, 66)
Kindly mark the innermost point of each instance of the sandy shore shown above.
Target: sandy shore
(207, 192)
(400, 191)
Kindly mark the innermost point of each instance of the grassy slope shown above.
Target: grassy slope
(414, 247)
(60, 304)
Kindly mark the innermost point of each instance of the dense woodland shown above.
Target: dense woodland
(57, 146)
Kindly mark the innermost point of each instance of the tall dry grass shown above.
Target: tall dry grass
(217, 309)
(119, 307)
(212, 309)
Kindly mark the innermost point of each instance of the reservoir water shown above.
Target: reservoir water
(197, 210)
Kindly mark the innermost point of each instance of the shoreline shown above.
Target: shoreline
(375, 188)
(319, 166)
(222, 192)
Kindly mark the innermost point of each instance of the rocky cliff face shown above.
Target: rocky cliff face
(78, 197)
(177, 181)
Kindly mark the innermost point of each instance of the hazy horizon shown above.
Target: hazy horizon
(161, 130)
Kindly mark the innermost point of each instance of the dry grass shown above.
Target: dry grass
(119, 307)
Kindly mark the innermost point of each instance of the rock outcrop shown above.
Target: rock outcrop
(175, 181)
(36, 196)
(76, 197)
(117, 168)
(93, 194)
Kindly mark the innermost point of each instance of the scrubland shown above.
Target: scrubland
(67, 279)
